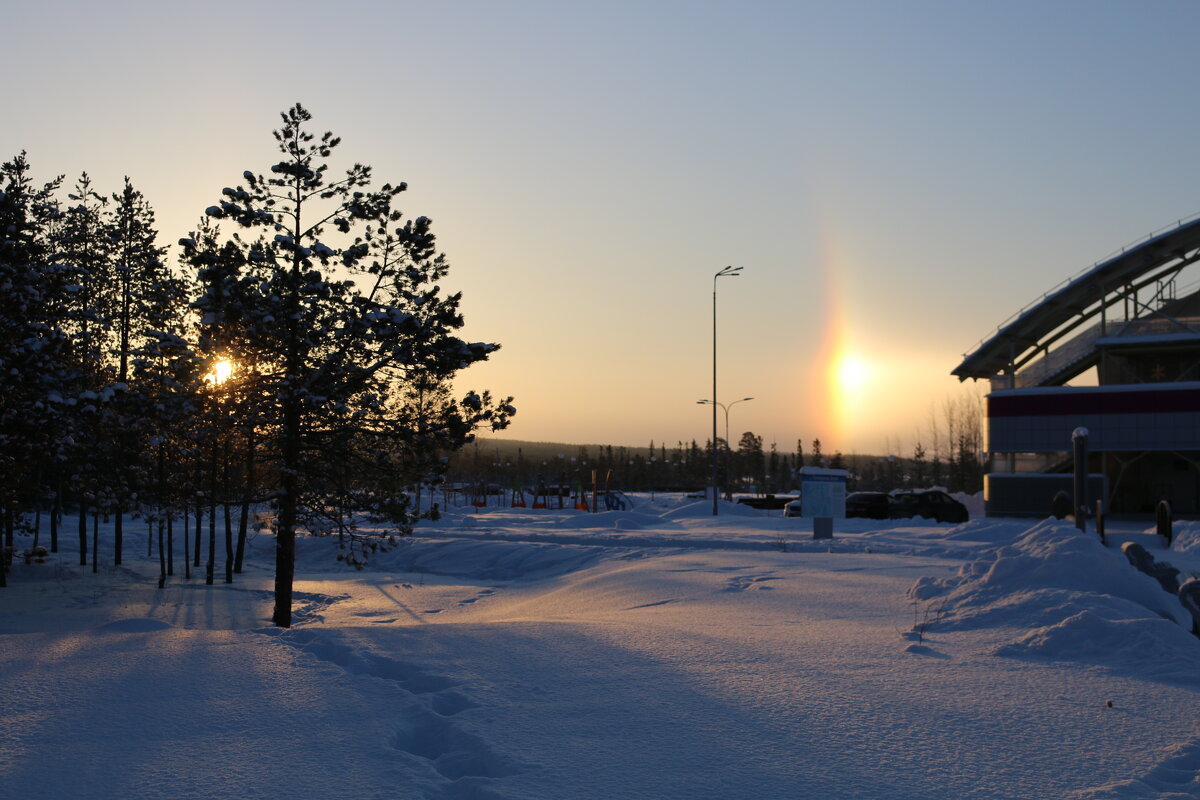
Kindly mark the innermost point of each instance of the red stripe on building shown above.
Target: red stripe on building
(1159, 401)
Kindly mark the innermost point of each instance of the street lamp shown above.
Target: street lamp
(724, 408)
(730, 272)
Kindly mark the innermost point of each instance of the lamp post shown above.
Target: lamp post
(731, 272)
(724, 408)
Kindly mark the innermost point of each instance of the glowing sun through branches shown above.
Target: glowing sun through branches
(221, 372)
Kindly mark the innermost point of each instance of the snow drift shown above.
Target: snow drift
(1067, 597)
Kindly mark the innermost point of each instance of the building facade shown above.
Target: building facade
(1115, 350)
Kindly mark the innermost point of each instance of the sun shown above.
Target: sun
(853, 374)
(221, 371)
(848, 389)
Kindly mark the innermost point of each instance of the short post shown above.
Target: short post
(1060, 506)
(1079, 440)
(822, 527)
(1162, 519)
(1100, 521)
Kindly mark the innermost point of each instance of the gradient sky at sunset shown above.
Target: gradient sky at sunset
(897, 178)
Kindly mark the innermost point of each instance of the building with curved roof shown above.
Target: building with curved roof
(1115, 350)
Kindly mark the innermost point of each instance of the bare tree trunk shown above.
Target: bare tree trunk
(285, 533)
(213, 466)
(187, 561)
(171, 543)
(212, 541)
(244, 522)
(83, 547)
(4, 561)
(55, 513)
(285, 525)
(199, 528)
(162, 557)
(118, 534)
(228, 513)
(95, 541)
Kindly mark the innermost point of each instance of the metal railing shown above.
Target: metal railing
(1054, 362)
(1121, 251)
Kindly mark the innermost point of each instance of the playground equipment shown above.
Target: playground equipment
(570, 492)
(479, 496)
(616, 501)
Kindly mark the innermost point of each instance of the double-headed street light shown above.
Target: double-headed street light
(727, 272)
(724, 408)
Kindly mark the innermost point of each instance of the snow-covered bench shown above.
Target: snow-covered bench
(1166, 575)
(1189, 595)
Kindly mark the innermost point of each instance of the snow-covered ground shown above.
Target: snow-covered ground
(652, 653)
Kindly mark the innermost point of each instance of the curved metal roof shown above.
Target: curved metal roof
(1078, 298)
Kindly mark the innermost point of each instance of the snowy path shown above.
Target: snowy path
(512, 667)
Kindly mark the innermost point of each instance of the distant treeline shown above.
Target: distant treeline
(949, 454)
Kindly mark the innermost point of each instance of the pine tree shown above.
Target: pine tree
(751, 458)
(35, 355)
(83, 242)
(139, 275)
(919, 466)
(145, 290)
(337, 351)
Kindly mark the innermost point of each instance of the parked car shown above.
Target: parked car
(868, 505)
(769, 502)
(871, 505)
(933, 504)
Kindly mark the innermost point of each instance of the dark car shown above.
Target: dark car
(769, 502)
(931, 504)
(868, 505)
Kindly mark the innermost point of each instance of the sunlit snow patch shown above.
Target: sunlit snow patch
(135, 626)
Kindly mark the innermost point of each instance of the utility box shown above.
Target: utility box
(823, 492)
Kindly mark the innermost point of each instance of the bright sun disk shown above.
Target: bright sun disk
(220, 372)
(852, 374)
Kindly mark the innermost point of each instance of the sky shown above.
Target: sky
(896, 179)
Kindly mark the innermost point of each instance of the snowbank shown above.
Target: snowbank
(1070, 598)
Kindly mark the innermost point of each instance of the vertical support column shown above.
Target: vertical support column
(1103, 311)
(1079, 442)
